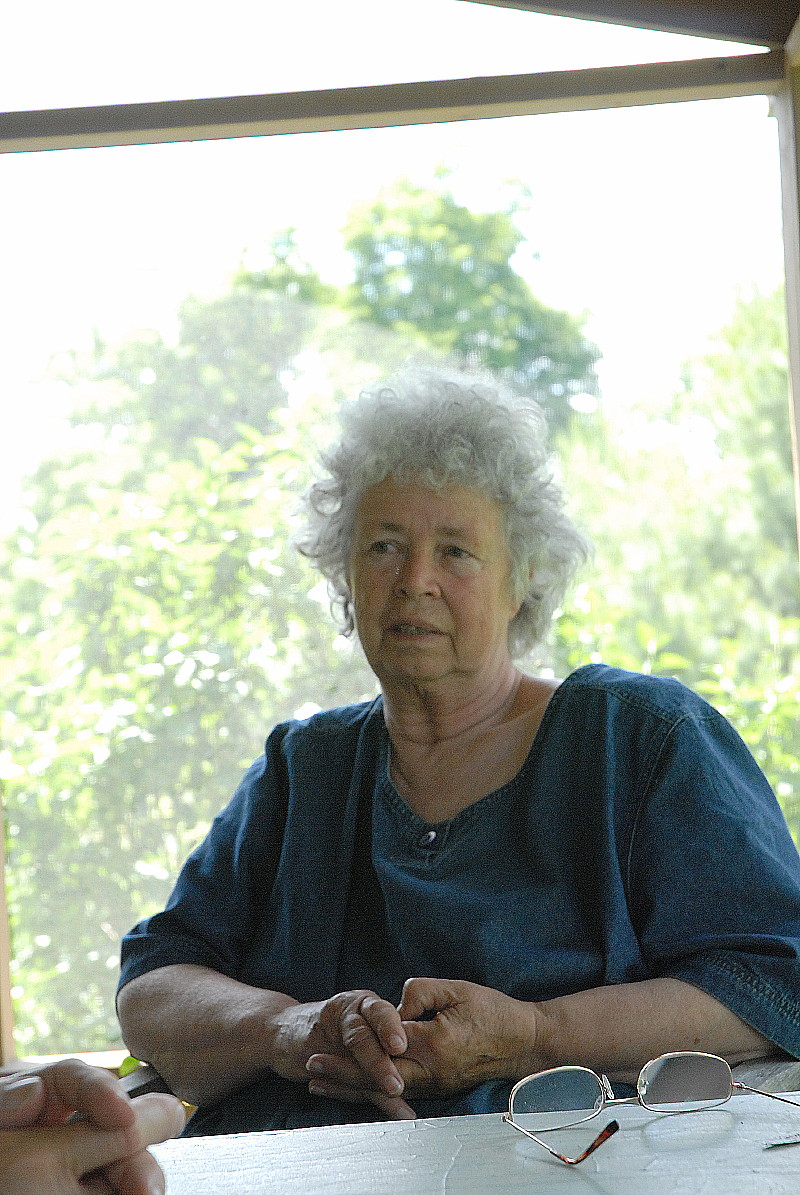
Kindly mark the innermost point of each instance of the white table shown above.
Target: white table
(719, 1152)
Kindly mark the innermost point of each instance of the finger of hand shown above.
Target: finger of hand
(421, 996)
(385, 1022)
(392, 1107)
(415, 1068)
(139, 1175)
(363, 1045)
(156, 1117)
(99, 1184)
(420, 1065)
(338, 1069)
(22, 1099)
(74, 1086)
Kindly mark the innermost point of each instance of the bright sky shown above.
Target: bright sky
(649, 220)
(96, 52)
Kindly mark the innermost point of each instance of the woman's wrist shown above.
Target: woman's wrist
(280, 1028)
(532, 1052)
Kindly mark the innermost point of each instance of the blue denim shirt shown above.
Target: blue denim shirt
(639, 839)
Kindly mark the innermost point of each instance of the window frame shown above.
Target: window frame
(385, 105)
(766, 23)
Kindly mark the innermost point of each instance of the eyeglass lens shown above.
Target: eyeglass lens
(684, 1083)
(568, 1095)
(556, 1099)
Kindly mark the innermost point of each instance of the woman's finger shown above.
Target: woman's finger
(424, 996)
(370, 1032)
(376, 1068)
(392, 1107)
(344, 1072)
(158, 1117)
(385, 1021)
(334, 1066)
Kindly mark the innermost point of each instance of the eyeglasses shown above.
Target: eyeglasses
(569, 1095)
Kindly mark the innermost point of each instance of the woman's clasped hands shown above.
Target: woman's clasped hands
(445, 1036)
(69, 1128)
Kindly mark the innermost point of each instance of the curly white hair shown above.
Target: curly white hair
(440, 428)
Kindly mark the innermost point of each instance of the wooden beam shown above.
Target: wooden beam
(392, 104)
(7, 1046)
(767, 23)
(786, 106)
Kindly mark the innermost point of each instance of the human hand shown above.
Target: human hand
(70, 1128)
(461, 1034)
(470, 1034)
(353, 1037)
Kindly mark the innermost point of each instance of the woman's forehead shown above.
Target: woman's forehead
(453, 508)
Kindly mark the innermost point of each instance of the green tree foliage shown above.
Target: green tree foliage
(425, 263)
(224, 373)
(743, 387)
(690, 506)
(435, 271)
(289, 274)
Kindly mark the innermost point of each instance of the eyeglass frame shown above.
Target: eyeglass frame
(610, 1100)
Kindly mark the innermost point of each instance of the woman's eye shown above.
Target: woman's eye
(461, 560)
(380, 547)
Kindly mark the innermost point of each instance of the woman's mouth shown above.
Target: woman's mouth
(414, 629)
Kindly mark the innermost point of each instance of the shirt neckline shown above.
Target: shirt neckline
(476, 810)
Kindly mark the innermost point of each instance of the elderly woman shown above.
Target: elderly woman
(411, 903)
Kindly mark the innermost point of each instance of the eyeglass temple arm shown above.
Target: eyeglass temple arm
(769, 1094)
(609, 1131)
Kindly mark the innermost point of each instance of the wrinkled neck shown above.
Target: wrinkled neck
(427, 715)
(441, 765)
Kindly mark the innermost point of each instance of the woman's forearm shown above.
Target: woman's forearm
(208, 1035)
(617, 1029)
(461, 1034)
(205, 1033)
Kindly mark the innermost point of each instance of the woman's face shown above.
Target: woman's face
(430, 583)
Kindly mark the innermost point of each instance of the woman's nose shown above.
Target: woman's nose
(417, 576)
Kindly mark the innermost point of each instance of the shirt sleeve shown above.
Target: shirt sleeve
(713, 877)
(209, 918)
